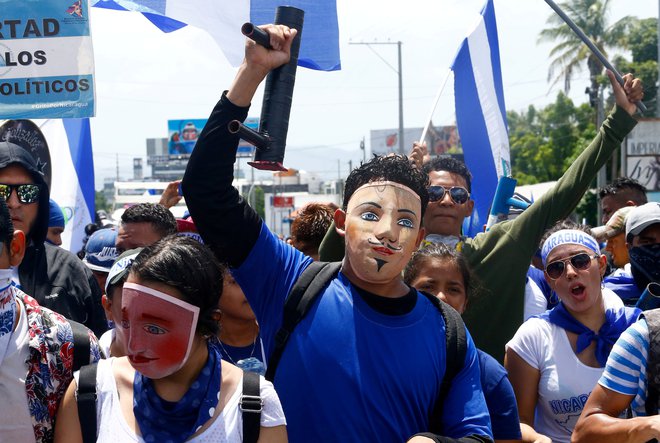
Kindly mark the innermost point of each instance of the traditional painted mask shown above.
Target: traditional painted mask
(158, 330)
(382, 230)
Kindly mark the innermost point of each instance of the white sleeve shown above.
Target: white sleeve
(611, 300)
(272, 414)
(535, 302)
(530, 342)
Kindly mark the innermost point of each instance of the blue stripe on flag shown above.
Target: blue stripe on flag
(319, 48)
(79, 135)
(471, 118)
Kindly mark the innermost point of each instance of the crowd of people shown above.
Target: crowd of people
(375, 321)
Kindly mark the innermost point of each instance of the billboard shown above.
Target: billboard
(182, 136)
(440, 139)
(643, 154)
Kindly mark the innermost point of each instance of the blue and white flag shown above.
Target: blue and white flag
(319, 47)
(72, 182)
(481, 114)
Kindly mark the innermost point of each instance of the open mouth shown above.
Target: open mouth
(578, 290)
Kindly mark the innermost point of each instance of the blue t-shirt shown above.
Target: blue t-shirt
(623, 284)
(350, 373)
(500, 399)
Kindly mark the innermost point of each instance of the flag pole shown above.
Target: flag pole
(435, 104)
(599, 55)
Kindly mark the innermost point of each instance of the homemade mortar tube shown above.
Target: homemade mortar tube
(278, 95)
(259, 36)
(650, 298)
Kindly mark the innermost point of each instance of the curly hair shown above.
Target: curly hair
(395, 168)
(450, 164)
(311, 224)
(625, 188)
(189, 267)
(159, 216)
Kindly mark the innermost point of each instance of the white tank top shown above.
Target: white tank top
(227, 427)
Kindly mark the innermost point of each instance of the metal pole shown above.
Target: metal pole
(599, 55)
(657, 99)
(601, 178)
(401, 147)
(399, 72)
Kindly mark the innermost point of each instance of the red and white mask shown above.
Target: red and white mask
(158, 329)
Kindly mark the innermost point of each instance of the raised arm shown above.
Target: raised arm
(526, 230)
(224, 220)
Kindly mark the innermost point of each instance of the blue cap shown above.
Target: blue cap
(100, 250)
(56, 218)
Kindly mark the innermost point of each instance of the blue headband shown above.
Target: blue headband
(568, 237)
(56, 217)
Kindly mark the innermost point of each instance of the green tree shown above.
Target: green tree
(643, 44)
(544, 143)
(100, 202)
(570, 53)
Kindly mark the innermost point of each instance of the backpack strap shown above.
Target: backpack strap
(251, 405)
(456, 346)
(86, 401)
(81, 345)
(303, 293)
(652, 318)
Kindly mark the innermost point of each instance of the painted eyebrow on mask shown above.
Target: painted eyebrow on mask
(155, 318)
(370, 204)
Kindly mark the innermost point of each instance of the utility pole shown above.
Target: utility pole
(657, 99)
(399, 71)
(117, 165)
(364, 151)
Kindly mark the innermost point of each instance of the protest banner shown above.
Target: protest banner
(46, 60)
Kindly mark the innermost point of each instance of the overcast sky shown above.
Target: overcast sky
(145, 77)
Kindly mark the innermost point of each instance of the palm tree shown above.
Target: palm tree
(570, 53)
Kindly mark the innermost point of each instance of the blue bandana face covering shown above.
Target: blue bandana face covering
(161, 421)
(645, 264)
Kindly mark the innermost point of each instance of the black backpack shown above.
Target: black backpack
(250, 405)
(309, 286)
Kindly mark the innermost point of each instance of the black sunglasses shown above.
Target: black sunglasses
(579, 261)
(458, 194)
(28, 193)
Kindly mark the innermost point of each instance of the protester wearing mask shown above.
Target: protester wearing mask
(643, 241)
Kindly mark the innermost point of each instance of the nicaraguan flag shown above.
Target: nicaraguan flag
(481, 114)
(319, 47)
(72, 183)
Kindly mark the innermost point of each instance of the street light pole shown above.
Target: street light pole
(399, 72)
